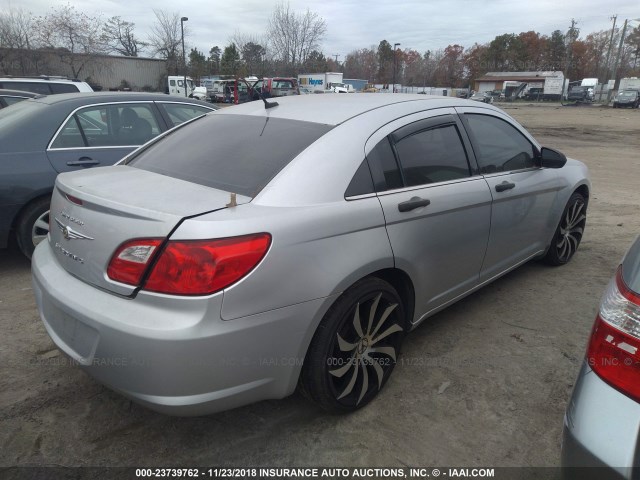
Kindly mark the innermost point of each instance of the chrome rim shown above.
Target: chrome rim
(40, 228)
(571, 229)
(365, 350)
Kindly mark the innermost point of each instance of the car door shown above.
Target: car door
(436, 207)
(100, 135)
(523, 193)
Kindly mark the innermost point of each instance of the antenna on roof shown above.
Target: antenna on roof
(267, 105)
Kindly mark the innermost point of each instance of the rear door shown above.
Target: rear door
(437, 208)
(523, 193)
(100, 135)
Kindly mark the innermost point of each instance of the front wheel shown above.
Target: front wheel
(355, 347)
(569, 232)
(33, 226)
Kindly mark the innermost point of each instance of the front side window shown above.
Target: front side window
(433, 155)
(498, 145)
(108, 126)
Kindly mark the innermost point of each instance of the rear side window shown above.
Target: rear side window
(234, 153)
(498, 145)
(180, 113)
(433, 155)
(35, 87)
(385, 171)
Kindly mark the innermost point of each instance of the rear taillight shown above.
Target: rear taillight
(188, 267)
(131, 260)
(614, 348)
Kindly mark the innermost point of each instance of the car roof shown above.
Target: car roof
(99, 97)
(336, 108)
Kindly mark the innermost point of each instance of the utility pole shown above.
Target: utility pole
(395, 47)
(570, 34)
(613, 31)
(615, 65)
(336, 55)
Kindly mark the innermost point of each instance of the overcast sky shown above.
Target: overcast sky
(352, 24)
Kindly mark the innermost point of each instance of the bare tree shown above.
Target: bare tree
(73, 35)
(16, 49)
(293, 36)
(165, 38)
(118, 37)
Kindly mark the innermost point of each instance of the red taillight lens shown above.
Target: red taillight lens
(202, 267)
(614, 348)
(131, 259)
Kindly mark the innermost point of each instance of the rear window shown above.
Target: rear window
(234, 153)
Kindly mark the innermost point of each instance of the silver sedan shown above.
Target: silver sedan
(258, 249)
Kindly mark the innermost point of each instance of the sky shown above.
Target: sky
(353, 24)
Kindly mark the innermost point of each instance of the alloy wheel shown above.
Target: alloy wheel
(364, 350)
(40, 228)
(571, 229)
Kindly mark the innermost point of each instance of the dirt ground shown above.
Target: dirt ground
(484, 383)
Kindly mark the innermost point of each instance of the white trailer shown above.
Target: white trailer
(631, 83)
(552, 89)
(319, 82)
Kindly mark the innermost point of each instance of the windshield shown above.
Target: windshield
(234, 153)
(628, 94)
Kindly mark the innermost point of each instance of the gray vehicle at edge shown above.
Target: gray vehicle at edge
(600, 435)
(40, 138)
(319, 231)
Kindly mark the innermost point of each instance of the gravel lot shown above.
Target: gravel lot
(484, 383)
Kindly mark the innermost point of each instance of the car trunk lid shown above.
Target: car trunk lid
(94, 212)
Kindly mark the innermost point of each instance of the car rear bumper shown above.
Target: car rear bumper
(600, 430)
(173, 354)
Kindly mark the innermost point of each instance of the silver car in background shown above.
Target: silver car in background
(602, 421)
(257, 249)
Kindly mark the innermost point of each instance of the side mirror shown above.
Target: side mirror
(551, 158)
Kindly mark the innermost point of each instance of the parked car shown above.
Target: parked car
(46, 135)
(9, 97)
(256, 249)
(580, 94)
(602, 418)
(482, 97)
(627, 98)
(534, 93)
(497, 94)
(44, 85)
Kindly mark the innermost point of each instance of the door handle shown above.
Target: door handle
(83, 162)
(501, 187)
(413, 203)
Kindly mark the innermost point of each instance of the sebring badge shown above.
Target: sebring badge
(70, 234)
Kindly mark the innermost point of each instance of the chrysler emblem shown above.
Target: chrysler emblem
(70, 234)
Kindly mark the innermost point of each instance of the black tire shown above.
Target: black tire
(30, 228)
(568, 234)
(344, 368)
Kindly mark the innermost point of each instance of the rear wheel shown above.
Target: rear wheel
(33, 226)
(355, 348)
(569, 232)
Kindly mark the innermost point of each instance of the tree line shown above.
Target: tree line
(292, 44)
